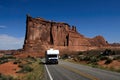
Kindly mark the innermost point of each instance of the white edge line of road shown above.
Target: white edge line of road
(48, 73)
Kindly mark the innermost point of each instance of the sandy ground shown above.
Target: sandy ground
(9, 68)
(114, 64)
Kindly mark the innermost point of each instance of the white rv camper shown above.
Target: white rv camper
(52, 56)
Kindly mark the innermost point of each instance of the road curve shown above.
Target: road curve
(71, 71)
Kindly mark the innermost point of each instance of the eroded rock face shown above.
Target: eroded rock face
(42, 34)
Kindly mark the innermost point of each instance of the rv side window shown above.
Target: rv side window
(52, 55)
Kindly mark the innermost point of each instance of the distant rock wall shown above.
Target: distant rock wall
(42, 35)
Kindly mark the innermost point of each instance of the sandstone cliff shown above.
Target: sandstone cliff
(42, 34)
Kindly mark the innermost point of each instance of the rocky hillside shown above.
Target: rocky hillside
(42, 34)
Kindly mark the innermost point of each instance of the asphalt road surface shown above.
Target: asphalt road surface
(71, 71)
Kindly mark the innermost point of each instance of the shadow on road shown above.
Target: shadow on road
(47, 63)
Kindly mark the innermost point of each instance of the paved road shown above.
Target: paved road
(72, 71)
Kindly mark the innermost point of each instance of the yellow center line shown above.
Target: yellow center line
(80, 72)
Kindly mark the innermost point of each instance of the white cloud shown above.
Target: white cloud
(10, 42)
(2, 27)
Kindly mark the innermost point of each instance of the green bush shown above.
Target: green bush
(93, 59)
(80, 53)
(80, 58)
(64, 56)
(3, 77)
(20, 65)
(107, 52)
(31, 58)
(103, 58)
(25, 68)
(95, 65)
(16, 62)
(108, 61)
(117, 58)
(87, 58)
(5, 59)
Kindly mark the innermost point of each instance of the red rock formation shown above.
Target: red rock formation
(42, 34)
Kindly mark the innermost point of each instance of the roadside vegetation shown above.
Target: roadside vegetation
(6, 58)
(105, 59)
(33, 69)
(30, 68)
(4, 77)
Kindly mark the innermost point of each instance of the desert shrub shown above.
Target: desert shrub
(29, 62)
(20, 65)
(28, 56)
(117, 58)
(94, 65)
(107, 52)
(10, 57)
(16, 62)
(80, 53)
(113, 53)
(108, 61)
(103, 58)
(93, 59)
(64, 56)
(5, 59)
(3, 77)
(31, 58)
(87, 58)
(25, 68)
(81, 58)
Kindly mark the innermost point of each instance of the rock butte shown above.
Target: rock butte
(42, 34)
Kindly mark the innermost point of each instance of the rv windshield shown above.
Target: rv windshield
(52, 55)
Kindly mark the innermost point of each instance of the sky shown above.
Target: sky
(91, 17)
